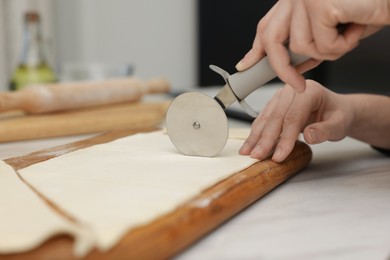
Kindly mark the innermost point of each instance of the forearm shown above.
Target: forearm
(371, 121)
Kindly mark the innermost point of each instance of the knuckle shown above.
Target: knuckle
(273, 116)
(325, 49)
(260, 117)
(342, 127)
(253, 138)
(257, 123)
(251, 141)
(350, 45)
(261, 26)
(286, 143)
(266, 144)
(312, 82)
(298, 46)
(255, 52)
(290, 119)
(334, 134)
(266, 41)
(333, 51)
(333, 57)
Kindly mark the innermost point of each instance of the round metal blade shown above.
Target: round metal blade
(197, 125)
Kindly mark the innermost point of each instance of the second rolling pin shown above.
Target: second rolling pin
(64, 96)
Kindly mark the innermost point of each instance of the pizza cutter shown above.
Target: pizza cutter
(197, 124)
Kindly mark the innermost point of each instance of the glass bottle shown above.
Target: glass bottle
(32, 67)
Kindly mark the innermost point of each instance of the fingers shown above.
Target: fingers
(259, 124)
(250, 59)
(301, 38)
(308, 65)
(297, 116)
(317, 110)
(310, 26)
(268, 126)
(314, 32)
(274, 38)
(329, 44)
(332, 129)
(280, 61)
(257, 52)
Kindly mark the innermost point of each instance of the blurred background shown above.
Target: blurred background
(174, 38)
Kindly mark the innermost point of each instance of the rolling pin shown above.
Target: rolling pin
(36, 99)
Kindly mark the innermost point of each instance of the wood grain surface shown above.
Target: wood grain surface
(172, 233)
(19, 126)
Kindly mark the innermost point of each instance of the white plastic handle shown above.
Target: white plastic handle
(245, 82)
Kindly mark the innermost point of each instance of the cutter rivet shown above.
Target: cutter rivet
(196, 125)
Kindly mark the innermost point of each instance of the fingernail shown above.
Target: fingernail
(244, 148)
(256, 151)
(240, 65)
(277, 154)
(257, 148)
(313, 135)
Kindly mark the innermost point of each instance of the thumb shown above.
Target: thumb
(333, 129)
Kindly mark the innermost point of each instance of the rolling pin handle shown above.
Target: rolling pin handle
(158, 85)
(13, 101)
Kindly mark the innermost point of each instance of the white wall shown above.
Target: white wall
(158, 37)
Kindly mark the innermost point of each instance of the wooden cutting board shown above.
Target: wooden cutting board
(16, 126)
(172, 233)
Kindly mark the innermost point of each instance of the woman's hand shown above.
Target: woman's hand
(318, 112)
(310, 27)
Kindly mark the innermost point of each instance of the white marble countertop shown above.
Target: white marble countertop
(336, 208)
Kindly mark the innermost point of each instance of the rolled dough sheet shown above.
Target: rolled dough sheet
(234, 133)
(239, 133)
(117, 186)
(27, 221)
